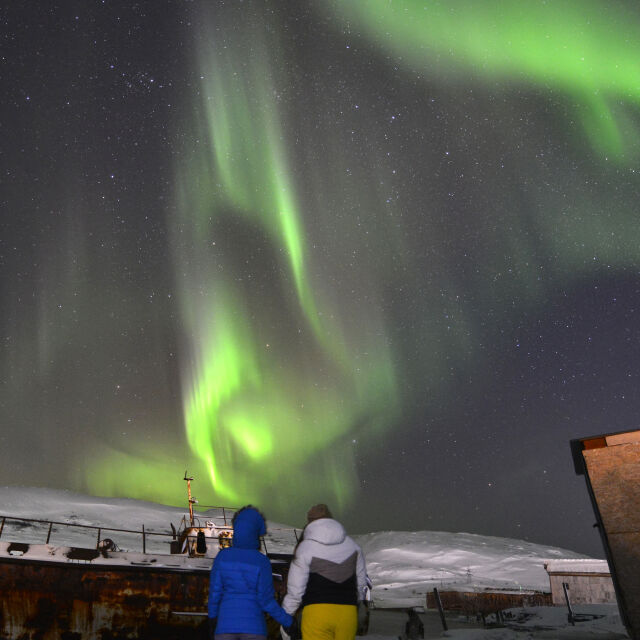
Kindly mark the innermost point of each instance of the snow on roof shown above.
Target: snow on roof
(577, 565)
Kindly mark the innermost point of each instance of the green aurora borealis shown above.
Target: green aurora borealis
(586, 49)
(257, 408)
(377, 253)
(262, 402)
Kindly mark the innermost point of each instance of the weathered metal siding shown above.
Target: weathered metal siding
(84, 602)
(614, 477)
(486, 602)
(586, 588)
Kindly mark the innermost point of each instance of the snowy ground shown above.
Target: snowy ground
(403, 566)
(548, 623)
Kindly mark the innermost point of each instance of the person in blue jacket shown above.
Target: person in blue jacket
(241, 584)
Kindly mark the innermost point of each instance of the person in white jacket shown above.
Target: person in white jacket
(327, 578)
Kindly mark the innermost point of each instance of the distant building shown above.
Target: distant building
(589, 581)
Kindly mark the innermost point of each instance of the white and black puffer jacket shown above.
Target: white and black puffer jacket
(328, 568)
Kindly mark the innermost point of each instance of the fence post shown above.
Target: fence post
(440, 609)
(224, 515)
(98, 541)
(565, 588)
(144, 541)
(2, 525)
(49, 532)
(295, 533)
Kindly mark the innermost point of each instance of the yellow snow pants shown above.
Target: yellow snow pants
(329, 622)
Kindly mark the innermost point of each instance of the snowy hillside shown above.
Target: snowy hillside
(117, 513)
(405, 565)
(402, 565)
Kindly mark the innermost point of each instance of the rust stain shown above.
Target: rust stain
(80, 601)
(614, 476)
(74, 601)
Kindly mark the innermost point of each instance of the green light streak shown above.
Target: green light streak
(265, 413)
(144, 473)
(588, 49)
(247, 141)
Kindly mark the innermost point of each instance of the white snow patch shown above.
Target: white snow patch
(402, 565)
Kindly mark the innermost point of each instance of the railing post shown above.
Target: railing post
(2, 525)
(98, 541)
(224, 515)
(295, 533)
(49, 532)
(144, 541)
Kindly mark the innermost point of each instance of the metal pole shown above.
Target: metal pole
(99, 534)
(2, 525)
(49, 533)
(565, 588)
(191, 500)
(440, 609)
(224, 515)
(144, 541)
(295, 533)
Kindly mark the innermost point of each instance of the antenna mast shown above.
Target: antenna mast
(192, 501)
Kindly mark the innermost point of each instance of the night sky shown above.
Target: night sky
(382, 254)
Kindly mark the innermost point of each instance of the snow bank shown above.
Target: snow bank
(404, 566)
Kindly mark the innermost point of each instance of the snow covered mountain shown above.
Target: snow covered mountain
(403, 566)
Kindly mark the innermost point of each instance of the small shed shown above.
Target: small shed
(588, 581)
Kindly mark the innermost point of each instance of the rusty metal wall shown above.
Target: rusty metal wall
(83, 602)
(614, 477)
(583, 589)
(486, 602)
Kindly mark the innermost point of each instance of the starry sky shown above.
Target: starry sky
(383, 255)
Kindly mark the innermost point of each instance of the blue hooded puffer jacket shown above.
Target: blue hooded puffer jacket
(241, 585)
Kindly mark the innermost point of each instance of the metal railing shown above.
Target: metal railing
(99, 531)
(142, 534)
